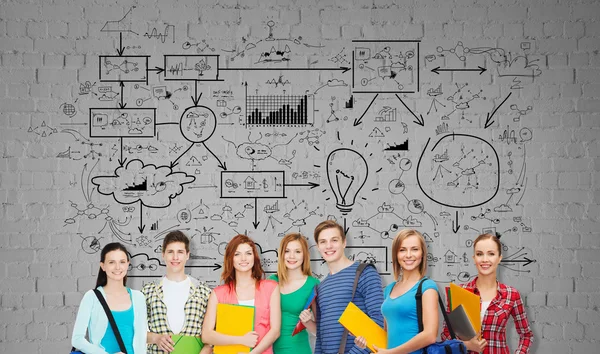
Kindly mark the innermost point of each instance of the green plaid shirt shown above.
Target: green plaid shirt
(195, 307)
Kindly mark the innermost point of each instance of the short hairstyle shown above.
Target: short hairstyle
(489, 237)
(228, 275)
(281, 268)
(397, 243)
(176, 236)
(329, 224)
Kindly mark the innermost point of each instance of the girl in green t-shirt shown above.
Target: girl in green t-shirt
(296, 284)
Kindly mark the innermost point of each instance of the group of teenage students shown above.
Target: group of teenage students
(180, 304)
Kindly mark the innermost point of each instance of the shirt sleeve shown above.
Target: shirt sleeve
(141, 324)
(370, 287)
(84, 314)
(521, 325)
(146, 292)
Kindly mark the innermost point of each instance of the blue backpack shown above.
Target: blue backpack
(452, 346)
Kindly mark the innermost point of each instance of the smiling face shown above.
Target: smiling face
(410, 253)
(243, 258)
(331, 245)
(175, 257)
(294, 255)
(115, 265)
(487, 257)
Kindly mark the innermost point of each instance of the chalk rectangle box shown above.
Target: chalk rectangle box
(252, 184)
(122, 122)
(126, 68)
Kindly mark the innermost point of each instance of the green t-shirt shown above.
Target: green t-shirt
(291, 306)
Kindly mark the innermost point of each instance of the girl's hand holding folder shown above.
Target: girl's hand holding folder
(361, 342)
(476, 344)
(306, 316)
(249, 339)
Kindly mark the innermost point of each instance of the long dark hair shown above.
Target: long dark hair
(114, 246)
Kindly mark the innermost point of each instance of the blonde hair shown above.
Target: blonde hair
(400, 237)
(281, 268)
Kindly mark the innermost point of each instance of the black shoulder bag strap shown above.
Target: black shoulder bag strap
(359, 270)
(419, 298)
(111, 319)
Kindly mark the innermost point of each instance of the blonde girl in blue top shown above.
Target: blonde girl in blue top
(128, 308)
(399, 309)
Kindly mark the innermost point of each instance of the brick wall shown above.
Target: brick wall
(542, 55)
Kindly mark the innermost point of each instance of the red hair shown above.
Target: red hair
(228, 275)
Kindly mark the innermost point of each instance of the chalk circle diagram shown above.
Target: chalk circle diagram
(90, 245)
(396, 186)
(459, 171)
(154, 187)
(198, 123)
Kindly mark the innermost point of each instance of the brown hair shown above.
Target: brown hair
(228, 275)
(329, 224)
(281, 269)
(176, 236)
(400, 237)
(489, 237)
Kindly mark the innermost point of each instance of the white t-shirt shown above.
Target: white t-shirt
(175, 297)
(484, 307)
(246, 302)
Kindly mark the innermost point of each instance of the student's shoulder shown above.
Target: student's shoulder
(312, 281)
(199, 285)
(89, 297)
(88, 301)
(150, 287)
(138, 295)
(269, 283)
(389, 287)
(509, 292)
(429, 284)
(369, 272)
(273, 277)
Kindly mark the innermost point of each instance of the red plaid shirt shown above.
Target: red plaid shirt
(493, 327)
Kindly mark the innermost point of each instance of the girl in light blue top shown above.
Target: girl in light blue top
(399, 309)
(128, 308)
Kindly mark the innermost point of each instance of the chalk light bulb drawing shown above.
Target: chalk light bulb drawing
(347, 172)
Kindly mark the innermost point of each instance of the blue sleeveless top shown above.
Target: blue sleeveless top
(124, 320)
(401, 313)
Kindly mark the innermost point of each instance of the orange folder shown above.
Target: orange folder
(359, 324)
(234, 320)
(470, 302)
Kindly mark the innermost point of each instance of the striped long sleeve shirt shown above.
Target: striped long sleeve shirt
(333, 295)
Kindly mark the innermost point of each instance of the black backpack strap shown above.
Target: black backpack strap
(359, 270)
(111, 319)
(419, 298)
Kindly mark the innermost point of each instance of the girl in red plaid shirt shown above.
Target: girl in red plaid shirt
(498, 303)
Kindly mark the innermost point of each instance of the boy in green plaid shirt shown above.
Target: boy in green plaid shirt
(176, 303)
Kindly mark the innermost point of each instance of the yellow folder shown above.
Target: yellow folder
(359, 324)
(470, 302)
(234, 320)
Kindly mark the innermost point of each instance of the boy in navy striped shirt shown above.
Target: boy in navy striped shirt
(335, 292)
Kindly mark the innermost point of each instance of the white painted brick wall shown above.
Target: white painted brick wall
(48, 48)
